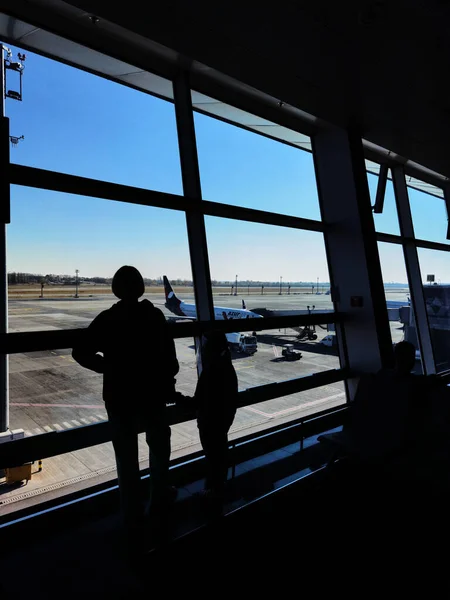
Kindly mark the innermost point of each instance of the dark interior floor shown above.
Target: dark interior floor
(281, 530)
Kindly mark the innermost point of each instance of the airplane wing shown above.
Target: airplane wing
(175, 319)
(270, 312)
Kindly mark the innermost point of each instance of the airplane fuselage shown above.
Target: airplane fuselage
(220, 312)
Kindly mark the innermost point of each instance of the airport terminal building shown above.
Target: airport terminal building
(284, 165)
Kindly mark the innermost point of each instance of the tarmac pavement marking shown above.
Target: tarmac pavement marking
(293, 408)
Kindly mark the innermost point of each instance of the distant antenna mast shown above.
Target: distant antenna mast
(16, 66)
(15, 140)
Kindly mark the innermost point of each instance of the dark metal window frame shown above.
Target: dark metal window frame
(195, 208)
(410, 245)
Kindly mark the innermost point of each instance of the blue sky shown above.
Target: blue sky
(77, 123)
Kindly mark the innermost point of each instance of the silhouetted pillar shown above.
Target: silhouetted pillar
(355, 273)
(191, 187)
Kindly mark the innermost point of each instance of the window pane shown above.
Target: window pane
(92, 236)
(49, 391)
(395, 279)
(387, 221)
(268, 261)
(263, 415)
(81, 124)
(243, 168)
(437, 298)
(429, 216)
(276, 355)
(264, 257)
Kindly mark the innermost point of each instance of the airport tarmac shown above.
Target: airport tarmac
(50, 392)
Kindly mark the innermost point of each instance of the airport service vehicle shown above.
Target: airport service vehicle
(329, 340)
(242, 342)
(290, 354)
(307, 333)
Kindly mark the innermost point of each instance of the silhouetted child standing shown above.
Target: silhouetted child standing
(131, 345)
(215, 400)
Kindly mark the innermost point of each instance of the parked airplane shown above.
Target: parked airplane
(184, 310)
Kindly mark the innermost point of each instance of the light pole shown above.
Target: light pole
(281, 283)
(6, 64)
(76, 283)
(235, 287)
(317, 289)
(4, 389)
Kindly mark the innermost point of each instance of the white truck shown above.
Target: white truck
(242, 342)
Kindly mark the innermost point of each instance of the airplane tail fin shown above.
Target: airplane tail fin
(172, 302)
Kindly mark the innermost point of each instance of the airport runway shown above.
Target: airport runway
(50, 392)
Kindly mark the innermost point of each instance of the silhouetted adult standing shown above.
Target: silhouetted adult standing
(130, 343)
(215, 400)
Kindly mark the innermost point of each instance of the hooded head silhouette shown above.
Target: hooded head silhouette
(128, 284)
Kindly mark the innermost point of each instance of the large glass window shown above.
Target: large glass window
(82, 124)
(275, 355)
(63, 245)
(270, 261)
(243, 168)
(398, 300)
(429, 216)
(266, 260)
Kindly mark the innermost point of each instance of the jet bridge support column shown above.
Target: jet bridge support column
(191, 186)
(355, 273)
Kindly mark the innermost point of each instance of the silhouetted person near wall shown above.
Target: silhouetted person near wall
(385, 417)
(386, 410)
(215, 402)
(216, 398)
(130, 344)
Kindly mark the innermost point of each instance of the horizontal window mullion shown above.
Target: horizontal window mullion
(431, 245)
(34, 341)
(56, 443)
(419, 243)
(94, 188)
(84, 186)
(229, 211)
(388, 237)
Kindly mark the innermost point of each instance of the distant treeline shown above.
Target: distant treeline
(16, 278)
(51, 278)
(29, 278)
